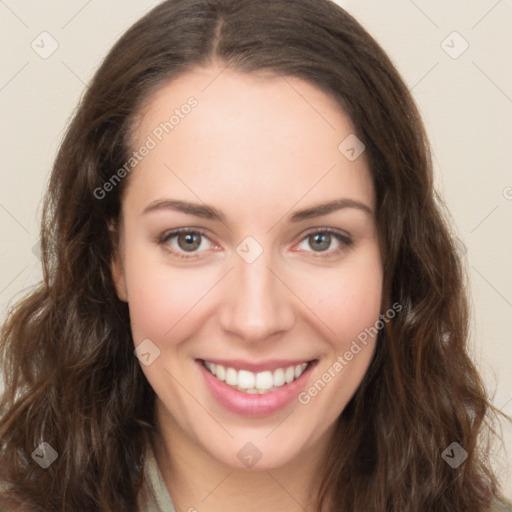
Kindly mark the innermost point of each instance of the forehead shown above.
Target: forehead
(247, 133)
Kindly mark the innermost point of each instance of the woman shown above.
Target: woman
(251, 299)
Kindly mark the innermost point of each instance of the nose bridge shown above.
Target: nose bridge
(258, 304)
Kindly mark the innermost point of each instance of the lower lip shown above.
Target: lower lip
(254, 404)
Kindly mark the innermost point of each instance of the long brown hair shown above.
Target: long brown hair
(71, 378)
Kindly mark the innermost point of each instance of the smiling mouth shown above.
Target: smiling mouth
(256, 383)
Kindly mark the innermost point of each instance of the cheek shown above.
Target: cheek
(346, 300)
(162, 299)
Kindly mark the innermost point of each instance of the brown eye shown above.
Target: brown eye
(325, 242)
(320, 241)
(186, 243)
(189, 241)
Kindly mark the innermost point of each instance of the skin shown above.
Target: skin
(258, 149)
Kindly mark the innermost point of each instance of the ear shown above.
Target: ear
(116, 266)
(118, 278)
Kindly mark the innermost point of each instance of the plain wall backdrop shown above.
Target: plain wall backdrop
(452, 55)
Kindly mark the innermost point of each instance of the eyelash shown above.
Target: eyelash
(344, 240)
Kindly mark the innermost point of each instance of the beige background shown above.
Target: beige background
(465, 98)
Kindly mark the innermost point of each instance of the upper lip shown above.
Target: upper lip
(255, 367)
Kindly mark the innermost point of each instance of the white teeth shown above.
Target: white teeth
(221, 372)
(264, 380)
(231, 377)
(279, 377)
(254, 383)
(299, 369)
(246, 379)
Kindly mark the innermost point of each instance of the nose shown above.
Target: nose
(258, 303)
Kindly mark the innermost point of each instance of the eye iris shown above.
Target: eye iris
(323, 239)
(191, 241)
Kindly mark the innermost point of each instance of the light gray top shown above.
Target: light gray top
(154, 496)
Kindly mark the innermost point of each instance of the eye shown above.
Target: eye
(185, 240)
(321, 240)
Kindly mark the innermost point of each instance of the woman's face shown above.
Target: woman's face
(253, 287)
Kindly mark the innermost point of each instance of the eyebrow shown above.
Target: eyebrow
(198, 210)
(331, 206)
(211, 213)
